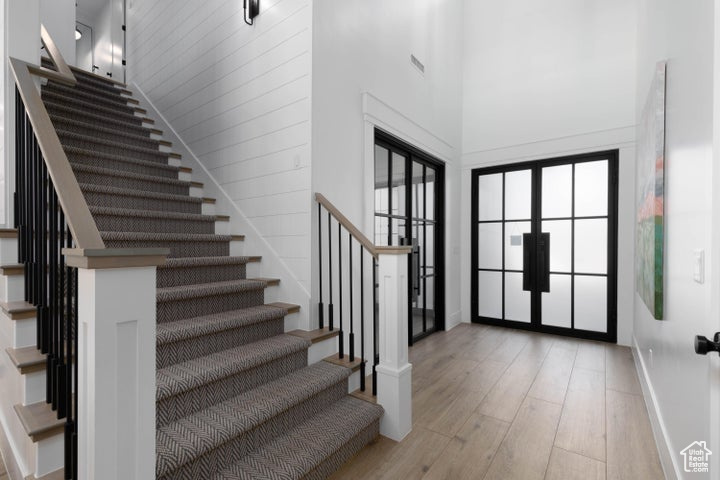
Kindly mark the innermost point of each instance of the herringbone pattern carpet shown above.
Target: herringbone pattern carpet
(236, 398)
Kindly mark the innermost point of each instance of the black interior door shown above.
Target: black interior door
(409, 211)
(544, 238)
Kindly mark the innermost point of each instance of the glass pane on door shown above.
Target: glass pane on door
(504, 212)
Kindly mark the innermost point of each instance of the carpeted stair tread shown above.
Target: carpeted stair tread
(192, 374)
(88, 87)
(303, 449)
(133, 123)
(131, 139)
(219, 322)
(185, 440)
(67, 136)
(130, 175)
(205, 261)
(107, 100)
(126, 212)
(165, 237)
(74, 152)
(119, 111)
(185, 292)
(129, 192)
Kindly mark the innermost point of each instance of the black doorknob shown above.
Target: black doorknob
(703, 345)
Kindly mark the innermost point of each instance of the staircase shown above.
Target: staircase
(236, 398)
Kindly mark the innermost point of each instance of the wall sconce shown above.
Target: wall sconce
(78, 34)
(252, 9)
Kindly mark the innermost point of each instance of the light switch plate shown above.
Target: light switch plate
(699, 266)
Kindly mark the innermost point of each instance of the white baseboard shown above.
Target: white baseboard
(662, 440)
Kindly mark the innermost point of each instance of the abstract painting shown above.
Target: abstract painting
(649, 236)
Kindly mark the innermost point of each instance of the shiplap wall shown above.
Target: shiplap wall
(239, 96)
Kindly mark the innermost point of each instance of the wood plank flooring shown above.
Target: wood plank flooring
(492, 403)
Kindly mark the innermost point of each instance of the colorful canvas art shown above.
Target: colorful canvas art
(650, 194)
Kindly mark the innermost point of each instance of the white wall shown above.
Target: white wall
(58, 16)
(362, 77)
(545, 70)
(108, 38)
(683, 33)
(548, 79)
(239, 96)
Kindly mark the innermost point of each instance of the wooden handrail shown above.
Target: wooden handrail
(80, 220)
(373, 249)
(63, 73)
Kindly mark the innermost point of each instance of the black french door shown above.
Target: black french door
(544, 237)
(409, 209)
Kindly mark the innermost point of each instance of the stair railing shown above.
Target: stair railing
(90, 373)
(388, 276)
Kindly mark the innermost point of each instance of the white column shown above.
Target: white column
(394, 373)
(116, 409)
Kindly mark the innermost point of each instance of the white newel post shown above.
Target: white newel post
(116, 409)
(394, 373)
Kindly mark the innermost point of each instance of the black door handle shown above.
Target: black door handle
(544, 253)
(703, 345)
(528, 265)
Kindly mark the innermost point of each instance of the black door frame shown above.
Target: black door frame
(535, 309)
(413, 154)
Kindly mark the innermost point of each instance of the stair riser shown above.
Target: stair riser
(140, 203)
(122, 166)
(171, 353)
(233, 450)
(94, 178)
(130, 124)
(172, 277)
(108, 101)
(24, 332)
(118, 135)
(12, 288)
(80, 104)
(114, 149)
(187, 403)
(177, 249)
(114, 223)
(197, 307)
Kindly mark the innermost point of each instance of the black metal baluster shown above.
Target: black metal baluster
(75, 380)
(321, 312)
(350, 288)
(18, 162)
(341, 353)
(362, 319)
(376, 354)
(331, 323)
(58, 274)
(71, 358)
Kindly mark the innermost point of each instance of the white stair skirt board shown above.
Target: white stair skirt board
(208, 209)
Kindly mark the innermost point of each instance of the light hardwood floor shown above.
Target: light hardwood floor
(492, 403)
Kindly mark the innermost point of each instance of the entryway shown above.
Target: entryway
(544, 238)
(409, 210)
